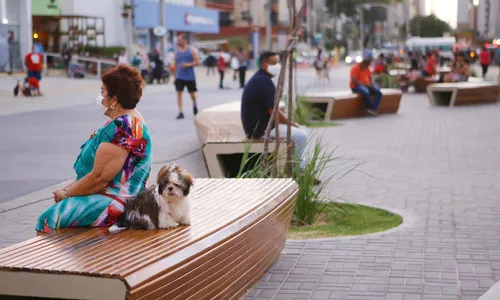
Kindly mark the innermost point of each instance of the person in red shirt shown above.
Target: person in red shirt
(34, 63)
(221, 66)
(485, 60)
(430, 68)
(361, 83)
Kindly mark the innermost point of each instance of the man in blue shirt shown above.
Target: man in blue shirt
(185, 61)
(258, 102)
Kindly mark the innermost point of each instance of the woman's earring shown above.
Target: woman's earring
(112, 107)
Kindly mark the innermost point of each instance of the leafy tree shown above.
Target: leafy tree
(430, 26)
(348, 7)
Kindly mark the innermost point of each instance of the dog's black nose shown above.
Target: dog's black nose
(170, 188)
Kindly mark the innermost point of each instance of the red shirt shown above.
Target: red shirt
(431, 65)
(34, 83)
(485, 57)
(364, 77)
(33, 61)
(221, 63)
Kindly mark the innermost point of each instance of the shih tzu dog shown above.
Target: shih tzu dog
(161, 206)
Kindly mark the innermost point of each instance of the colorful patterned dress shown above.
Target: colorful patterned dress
(104, 208)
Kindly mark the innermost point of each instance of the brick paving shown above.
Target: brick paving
(438, 167)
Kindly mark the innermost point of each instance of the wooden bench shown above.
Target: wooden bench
(238, 230)
(462, 93)
(223, 140)
(345, 104)
(422, 83)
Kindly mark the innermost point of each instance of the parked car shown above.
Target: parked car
(354, 57)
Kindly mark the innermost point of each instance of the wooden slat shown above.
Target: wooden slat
(193, 278)
(351, 105)
(238, 229)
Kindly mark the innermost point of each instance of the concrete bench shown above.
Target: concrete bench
(238, 230)
(224, 143)
(345, 104)
(462, 93)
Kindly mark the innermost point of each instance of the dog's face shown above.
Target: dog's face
(173, 182)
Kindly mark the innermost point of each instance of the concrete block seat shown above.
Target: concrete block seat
(346, 104)
(238, 230)
(224, 143)
(462, 93)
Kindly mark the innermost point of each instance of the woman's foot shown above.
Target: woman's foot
(180, 116)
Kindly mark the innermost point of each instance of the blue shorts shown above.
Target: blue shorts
(36, 74)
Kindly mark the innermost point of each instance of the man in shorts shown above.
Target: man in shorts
(185, 61)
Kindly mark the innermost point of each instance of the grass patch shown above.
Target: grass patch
(321, 124)
(345, 219)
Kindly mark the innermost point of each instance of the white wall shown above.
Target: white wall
(110, 10)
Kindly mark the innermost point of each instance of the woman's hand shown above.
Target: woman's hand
(59, 195)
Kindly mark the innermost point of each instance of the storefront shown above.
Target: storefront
(178, 18)
(15, 33)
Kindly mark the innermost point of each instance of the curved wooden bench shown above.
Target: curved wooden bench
(346, 104)
(462, 93)
(221, 135)
(422, 83)
(238, 230)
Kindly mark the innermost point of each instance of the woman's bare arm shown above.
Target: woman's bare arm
(109, 160)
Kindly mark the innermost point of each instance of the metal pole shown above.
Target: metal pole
(268, 26)
(130, 35)
(256, 30)
(309, 22)
(361, 29)
(162, 24)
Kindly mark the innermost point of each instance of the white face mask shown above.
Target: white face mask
(102, 108)
(274, 70)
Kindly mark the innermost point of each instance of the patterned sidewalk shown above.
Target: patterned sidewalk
(438, 167)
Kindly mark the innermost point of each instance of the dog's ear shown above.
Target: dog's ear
(162, 175)
(187, 181)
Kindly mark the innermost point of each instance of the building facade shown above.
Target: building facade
(15, 20)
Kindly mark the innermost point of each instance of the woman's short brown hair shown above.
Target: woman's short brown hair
(124, 82)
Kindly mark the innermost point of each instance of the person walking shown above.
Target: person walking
(243, 64)
(221, 67)
(66, 58)
(485, 60)
(185, 61)
(156, 65)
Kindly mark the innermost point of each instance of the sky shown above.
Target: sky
(446, 10)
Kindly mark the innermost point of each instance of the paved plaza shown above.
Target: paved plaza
(437, 167)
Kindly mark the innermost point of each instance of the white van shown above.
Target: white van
(424, 45)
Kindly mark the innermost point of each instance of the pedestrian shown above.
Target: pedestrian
(122, 58)
(144, 65)
(361, 83)
(221, 67)
(156, 66)
(235, 65)
(485, 60)
(243, 64)
(34, 62)
(66, 58)
(257, 105)
(186, 59)
(211, 63)
(430, 68)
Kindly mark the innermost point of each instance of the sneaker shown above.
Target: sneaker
(195, 110)
(180, 116)
(372, 112)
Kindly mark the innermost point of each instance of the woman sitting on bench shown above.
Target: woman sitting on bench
(113, 164)
(460, 70)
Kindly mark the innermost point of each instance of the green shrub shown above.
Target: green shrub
(311, 201)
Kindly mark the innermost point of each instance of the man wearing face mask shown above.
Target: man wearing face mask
(258, 102)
